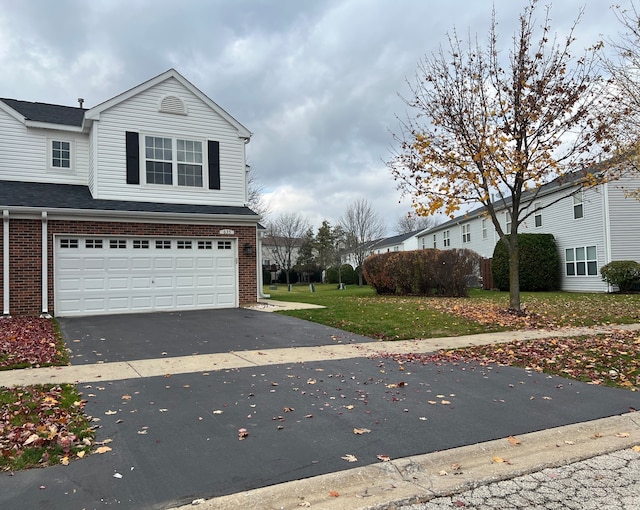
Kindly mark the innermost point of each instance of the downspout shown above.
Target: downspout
(261, 293)
(606, 223)
(45, 265)
(5, 263)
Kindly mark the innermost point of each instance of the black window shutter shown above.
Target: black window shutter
(133, 158)
(214, 164)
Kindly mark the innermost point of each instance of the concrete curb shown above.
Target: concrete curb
(419, 478)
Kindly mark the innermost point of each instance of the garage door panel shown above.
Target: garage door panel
(143, 274)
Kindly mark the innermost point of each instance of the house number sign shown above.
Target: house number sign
(226, 232)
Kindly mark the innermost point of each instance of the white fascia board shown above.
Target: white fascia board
(130, 216)
(56, 127)
(10, 111)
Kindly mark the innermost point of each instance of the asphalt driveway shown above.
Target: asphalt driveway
(177, 438)
(127, 337)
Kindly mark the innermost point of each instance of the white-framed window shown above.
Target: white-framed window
(205, 245)
(578, 208)
(581, 261)
(485, 231)
(507, 229)
(68, 243)
(163, 244)
(435, 241)
(446, 241)
(184, 245)
(224, 245)
(537, 217)
(60, 155)
(140, 244)
(117, 244)
(466, 233)
(174, 161)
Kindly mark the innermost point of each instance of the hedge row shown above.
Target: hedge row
(421, 272)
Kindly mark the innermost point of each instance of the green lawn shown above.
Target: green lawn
(361, 311)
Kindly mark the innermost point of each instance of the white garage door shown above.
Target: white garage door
(107, 275)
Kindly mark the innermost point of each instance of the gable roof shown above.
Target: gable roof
(394, 240)
(70, 197)
(48, 113)
(94, 113)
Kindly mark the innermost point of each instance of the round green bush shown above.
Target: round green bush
(625, 274)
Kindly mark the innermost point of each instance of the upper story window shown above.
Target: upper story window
(537, 217)
(507, 229)
(578, 210)
(445, 239)
(466, 233)
(435, 244)
(485, 232)
(60, 155)
(173, 161)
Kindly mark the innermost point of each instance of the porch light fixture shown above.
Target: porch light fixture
(248, 249)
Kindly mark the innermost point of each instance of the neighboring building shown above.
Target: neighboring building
(135, 205)
(402, 242)
(270, 261)
(592, 228)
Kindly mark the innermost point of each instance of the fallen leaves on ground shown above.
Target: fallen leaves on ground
(29, 342)
(42, 425)
(611, 359)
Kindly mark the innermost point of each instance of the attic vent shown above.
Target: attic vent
(172, 104)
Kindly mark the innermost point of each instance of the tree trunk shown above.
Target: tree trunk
(514, 272)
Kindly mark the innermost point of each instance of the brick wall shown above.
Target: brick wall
(25, 255)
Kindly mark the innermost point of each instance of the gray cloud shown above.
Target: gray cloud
(317, 82)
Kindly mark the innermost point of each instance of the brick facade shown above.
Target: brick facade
(25, 250)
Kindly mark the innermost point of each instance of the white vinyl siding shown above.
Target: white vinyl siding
(623, 223)
(26, 153)
(201, 123)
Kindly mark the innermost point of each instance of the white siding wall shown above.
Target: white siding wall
(140, 113)
(25, 153)
(558, 220)
(624, 221)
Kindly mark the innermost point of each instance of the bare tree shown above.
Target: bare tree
(285, 235)
(624, 66)
(255, 194)
(412, 222)
(492, 131)
(361, 225)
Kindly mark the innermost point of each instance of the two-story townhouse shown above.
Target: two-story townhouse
(591, 228)
(138, 204)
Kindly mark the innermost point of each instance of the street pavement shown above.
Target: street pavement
(606, 482)
(240, 409)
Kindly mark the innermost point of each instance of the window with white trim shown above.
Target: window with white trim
(435, 242)
(581, 261)
(93, 243)
(507, 229)
(445, 239)
(224, 245)
(466, 233)
(61, 155)
(140, 244)
(173, 161)
(117, 244)
(537, 217)
(68, 243)
(578, 209)
(205, 245)
(485, 232)
(162, 244)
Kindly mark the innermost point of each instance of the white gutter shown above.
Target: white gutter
(5, 262)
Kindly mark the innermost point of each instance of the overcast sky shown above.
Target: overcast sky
(316, 82)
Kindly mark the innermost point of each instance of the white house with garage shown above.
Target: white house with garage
(137, 204)
(592, 228)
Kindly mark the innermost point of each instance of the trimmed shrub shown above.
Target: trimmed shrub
(625, 274)
(421, 272)
(348, 275)
(539, 263)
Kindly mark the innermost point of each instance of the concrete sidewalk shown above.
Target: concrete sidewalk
(135, 369)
